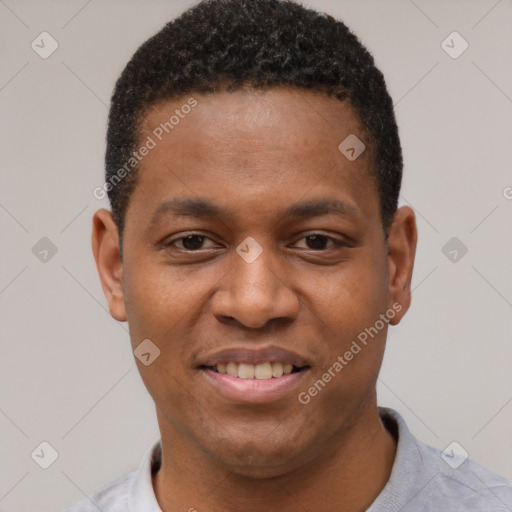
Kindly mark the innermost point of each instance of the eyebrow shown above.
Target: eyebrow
(318, 207)
(194, 207)
(186, 207)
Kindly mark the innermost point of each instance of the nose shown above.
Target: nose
(254, 293)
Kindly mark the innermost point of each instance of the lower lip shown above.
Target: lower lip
(253, 391)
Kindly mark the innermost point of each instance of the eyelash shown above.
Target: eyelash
(336, 242)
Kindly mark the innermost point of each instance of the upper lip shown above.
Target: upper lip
(253, 356)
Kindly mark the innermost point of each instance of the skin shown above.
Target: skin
(253, 154)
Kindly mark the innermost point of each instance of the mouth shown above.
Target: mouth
(254, 376)
(262, 371)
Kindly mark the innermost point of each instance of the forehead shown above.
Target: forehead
(263, 119)
(253, 146)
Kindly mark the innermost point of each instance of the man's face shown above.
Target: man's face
(271, 272)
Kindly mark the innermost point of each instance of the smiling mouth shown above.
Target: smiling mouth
(262, 371)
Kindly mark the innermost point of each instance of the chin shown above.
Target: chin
(257, 458)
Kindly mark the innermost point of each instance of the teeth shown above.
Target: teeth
(232, 369)
(246, 371)
(277, 370)
(263, 371)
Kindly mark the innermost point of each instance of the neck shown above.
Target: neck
(349, 476)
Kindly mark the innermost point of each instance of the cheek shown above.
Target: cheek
(156, 298)
(352, 297)
(166, 305)
(160, 303)
(348, 308)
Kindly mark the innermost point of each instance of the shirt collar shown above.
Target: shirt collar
(409, 473)
(142, 495)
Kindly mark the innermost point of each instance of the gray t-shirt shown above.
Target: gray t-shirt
(422, 480)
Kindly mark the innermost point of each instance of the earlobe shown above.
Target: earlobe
(107, 254)
(402, 240)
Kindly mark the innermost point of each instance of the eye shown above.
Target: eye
(191, 242)
(318, 242)
(196, 241)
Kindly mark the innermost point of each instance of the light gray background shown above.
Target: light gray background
(67, 372)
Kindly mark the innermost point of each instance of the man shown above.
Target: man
(257, 252)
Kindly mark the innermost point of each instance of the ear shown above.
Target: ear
(402, 239)
(107, 253)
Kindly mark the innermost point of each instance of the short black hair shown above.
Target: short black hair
(233, 44)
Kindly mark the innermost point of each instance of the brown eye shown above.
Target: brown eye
(316, 241)
(192, 242)
(320, 242)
